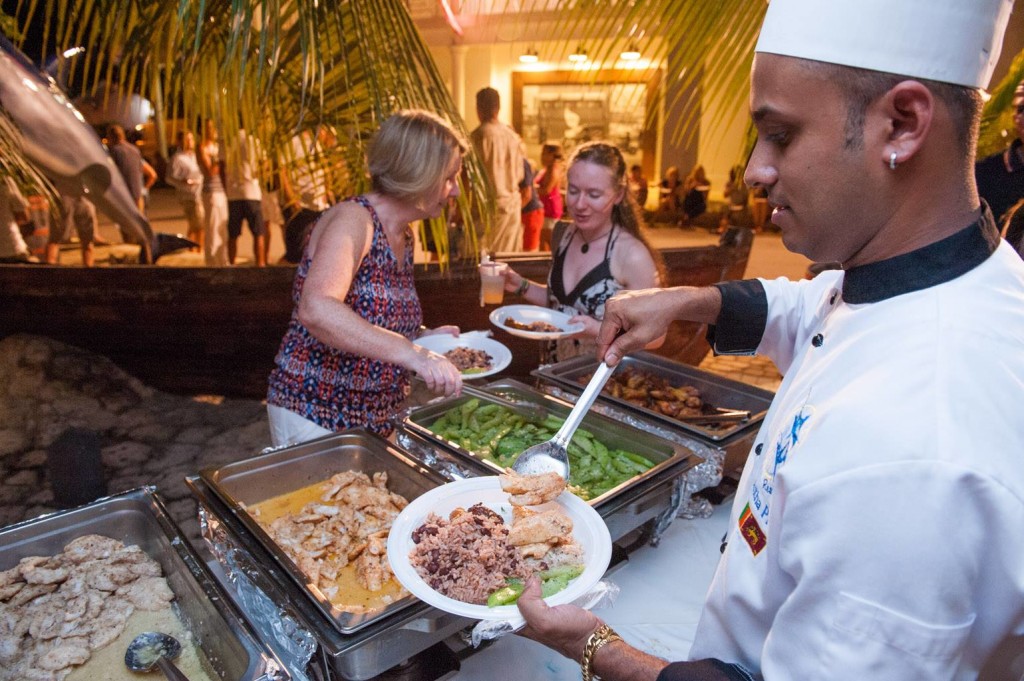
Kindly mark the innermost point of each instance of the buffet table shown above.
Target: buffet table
(657, 609)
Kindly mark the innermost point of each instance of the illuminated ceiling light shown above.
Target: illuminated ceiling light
(69, 53)
(631, 53)
(529, 57)
(580, 55)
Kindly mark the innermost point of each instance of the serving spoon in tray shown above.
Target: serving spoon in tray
(551, 456)
(154, 649)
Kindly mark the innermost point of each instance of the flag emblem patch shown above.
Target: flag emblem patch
(751, 531)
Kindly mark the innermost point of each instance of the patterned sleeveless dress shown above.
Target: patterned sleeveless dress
(339, 390)
(588, 297)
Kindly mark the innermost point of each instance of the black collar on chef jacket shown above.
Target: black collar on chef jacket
(934, 264)
(744, 313)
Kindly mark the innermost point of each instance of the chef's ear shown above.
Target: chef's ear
(908, 110)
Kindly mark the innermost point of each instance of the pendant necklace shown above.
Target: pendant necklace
(586, 244)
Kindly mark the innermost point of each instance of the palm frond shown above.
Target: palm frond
(282, 68)
(276, 67)
(697, 43)
(997, 116)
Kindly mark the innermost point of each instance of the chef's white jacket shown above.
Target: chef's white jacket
(878, 529)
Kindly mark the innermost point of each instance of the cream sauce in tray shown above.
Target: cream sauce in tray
(107, 664)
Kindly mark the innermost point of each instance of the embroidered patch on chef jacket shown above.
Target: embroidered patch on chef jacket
(751, 531)
(754, 520)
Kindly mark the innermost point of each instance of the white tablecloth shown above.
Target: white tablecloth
(662, 590)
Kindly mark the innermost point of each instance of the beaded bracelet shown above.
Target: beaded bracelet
(597, 640)
(523, 285)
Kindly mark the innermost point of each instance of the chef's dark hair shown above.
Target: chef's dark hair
(861, 87)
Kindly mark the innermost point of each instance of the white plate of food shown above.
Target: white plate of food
(588, 531)
(534, 321)
(474, 353)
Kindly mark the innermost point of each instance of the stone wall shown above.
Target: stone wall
(147, 437)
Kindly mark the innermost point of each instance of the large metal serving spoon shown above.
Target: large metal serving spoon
(154, 649)
(551, 455)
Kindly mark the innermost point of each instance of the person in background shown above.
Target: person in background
(500, 151)
(13, 214)
(638, 185)
(694, 194)
(759, 208)
(737, 202)
(346, 357)
(79, 216)
(244, 199)
(549, 181)
(187, 179)
(600, 253)
(138, 175)
(270, 205)
(669, 195)
(875, 533)
(305, 187)
(1013, 231)
(215, 200)
(1000, 177)
(533, 210)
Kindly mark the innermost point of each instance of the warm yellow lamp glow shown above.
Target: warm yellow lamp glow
(631, 53)
(529, 57)
(580, 55)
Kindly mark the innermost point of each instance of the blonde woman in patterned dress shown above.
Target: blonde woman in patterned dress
(346, 358)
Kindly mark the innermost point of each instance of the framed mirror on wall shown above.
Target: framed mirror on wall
(572, 107)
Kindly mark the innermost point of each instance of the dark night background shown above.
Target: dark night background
(33, 44)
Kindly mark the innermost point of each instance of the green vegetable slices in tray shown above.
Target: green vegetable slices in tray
(605, 456)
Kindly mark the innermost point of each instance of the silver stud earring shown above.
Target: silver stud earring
(892, 161)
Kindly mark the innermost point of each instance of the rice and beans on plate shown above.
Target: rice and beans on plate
(475, 557)
(469, 360)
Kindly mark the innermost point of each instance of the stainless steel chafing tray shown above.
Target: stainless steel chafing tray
(715, 390)
(251, 481)
(138, 517)
(669, 458)
(364, 654)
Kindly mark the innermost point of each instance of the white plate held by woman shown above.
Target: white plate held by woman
(527, 314)
(441, 343)
(589, 531)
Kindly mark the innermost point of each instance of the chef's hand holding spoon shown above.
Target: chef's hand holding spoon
(635, 319)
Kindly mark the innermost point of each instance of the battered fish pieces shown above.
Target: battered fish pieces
(531, 490)
(544, 538)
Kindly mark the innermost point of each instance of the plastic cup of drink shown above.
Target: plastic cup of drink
(492, 283)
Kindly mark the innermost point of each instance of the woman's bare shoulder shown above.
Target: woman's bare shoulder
(344, 221)
(632, 259)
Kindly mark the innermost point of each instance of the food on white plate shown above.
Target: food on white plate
(466, 556)
(531, 490)
(469, 360)
(542, 537)
(336, 533)
(536, 327)
(475, 557)
(531, 527)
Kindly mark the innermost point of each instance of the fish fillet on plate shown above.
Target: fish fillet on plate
(531, 490)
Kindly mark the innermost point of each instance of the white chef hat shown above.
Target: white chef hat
(950, 41)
